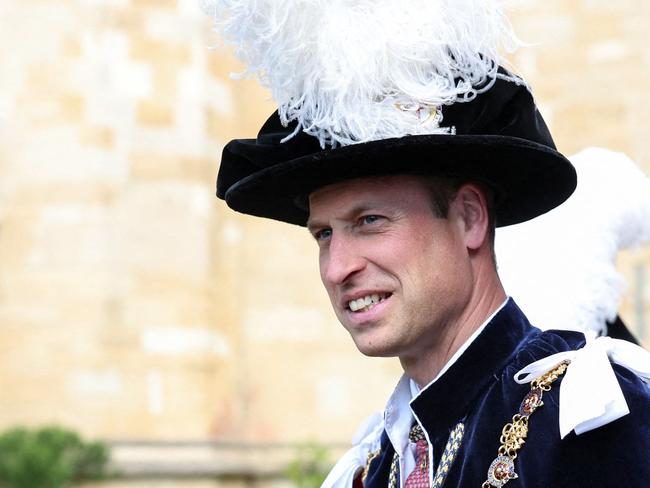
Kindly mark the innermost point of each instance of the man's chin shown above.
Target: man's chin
(375, 350)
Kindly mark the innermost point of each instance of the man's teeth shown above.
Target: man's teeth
(366, 302)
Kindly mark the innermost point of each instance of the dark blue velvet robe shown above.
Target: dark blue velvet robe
(479, 391)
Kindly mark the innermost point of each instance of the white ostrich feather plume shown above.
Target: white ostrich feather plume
(560, 267)
(352, 71)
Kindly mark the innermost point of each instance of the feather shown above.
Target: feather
(561, 267)
(352, 71)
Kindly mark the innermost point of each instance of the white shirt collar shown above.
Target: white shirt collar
(398, 416)
(462, 348)
(398, 419)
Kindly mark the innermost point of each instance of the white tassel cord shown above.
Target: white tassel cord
(358, 70)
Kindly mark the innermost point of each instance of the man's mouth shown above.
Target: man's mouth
(366, 303)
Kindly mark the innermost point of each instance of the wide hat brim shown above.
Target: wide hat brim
(528, 176)
(528, 179)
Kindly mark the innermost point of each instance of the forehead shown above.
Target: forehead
(371, 191)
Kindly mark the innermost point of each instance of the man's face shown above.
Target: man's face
(398, 277)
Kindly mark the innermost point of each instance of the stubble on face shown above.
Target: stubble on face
(379, 236)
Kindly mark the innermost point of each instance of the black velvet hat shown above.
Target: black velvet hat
(499, 139)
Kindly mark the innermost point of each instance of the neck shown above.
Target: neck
(424, 367)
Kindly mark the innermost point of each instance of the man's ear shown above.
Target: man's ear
(472, 209)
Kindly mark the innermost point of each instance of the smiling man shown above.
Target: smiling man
(401, 143)
(404, 279)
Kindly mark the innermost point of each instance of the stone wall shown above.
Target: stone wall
(133, 304)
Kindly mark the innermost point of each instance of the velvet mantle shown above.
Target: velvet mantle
(479, 391)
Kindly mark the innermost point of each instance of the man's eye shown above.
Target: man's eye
(370, 219)
(322, 234)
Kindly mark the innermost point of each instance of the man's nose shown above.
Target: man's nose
(343, 260)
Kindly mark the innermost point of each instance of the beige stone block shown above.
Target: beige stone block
(218, 127)
(255, 105)
(621, 8)
(184, 341)
(163, 230)
(122, 395)
(154, 113)
(44, 79)
(168, 4)
(72, 47)
(223, 64)
(16, 236)
(123, 17)
(634, 265)
(72, 108)
(165, 80)
(608, 52)
(143, 48)
(43, 108)
(597, 25)
(158, 166)
(219, 96)
(188, 291)
(101, 137)
(547, 28)
(252, 103)
(35, 194)
(586, 123)
(337, 386)
(251, 111)
(41, 297)
(70, 234)
(164, 299)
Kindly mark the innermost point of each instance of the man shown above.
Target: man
(406, 279)
(401, 163)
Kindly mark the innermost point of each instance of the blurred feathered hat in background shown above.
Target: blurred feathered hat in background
(561, 267)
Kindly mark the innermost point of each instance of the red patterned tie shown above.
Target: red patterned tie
(419, 477)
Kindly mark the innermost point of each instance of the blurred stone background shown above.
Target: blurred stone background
(136, 308)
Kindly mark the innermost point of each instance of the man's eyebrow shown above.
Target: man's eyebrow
(313, 224)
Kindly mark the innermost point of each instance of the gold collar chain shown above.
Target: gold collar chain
(513, 435)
